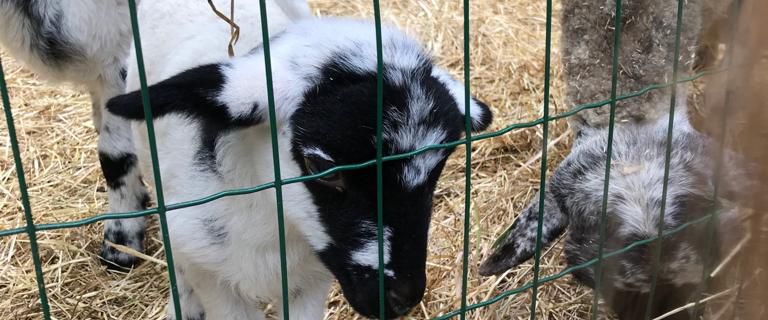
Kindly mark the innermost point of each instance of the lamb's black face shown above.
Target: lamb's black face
(419, 110)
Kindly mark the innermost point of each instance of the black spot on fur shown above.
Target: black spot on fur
(48, 38)
(191, 94)
(116, 167)
(123, 73)
(145, 201)
(216, 230)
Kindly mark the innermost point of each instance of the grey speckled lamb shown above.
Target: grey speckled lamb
(574, 200)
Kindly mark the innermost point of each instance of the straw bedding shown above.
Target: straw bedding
(58, 144)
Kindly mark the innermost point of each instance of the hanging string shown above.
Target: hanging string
(234, 28)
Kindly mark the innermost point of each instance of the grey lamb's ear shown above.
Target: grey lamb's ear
(479, 112)
(518, 243)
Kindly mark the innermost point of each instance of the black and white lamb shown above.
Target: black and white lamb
(213, 135)
(573, 201)
(87, 42)
(84, 42)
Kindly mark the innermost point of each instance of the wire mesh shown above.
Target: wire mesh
(278, 183)
(162, 208)
(667, 159)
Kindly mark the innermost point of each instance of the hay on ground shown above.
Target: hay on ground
(507, 58)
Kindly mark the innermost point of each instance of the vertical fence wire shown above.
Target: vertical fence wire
(467, 164)
(543, 174)
(717, 174)
(31, 230)
(275, 157)
(667, 159)
(379, 154)
(608, 157)
(278, 182)
(161, 209)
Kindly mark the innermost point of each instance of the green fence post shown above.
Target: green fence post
(379, 154)
(717, 174)
(609, 155)
(543, 174)
(278, 183)
(467, 164)
(161, 209)
(31, 230)
(667, 158)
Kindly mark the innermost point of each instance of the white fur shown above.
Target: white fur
(458, 91)
(231, 275)
(100, 32)
(315, 151)
(368, 254)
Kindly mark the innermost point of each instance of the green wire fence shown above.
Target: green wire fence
(162, 208)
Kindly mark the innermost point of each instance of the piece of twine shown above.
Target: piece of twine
(234, 28)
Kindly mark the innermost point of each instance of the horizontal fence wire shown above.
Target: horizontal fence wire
(163, 208)
(399, 156)
(160, 199)
(30, 229)
(571, 269)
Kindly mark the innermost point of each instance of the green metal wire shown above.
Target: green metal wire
(724, 116)
(161, 209)
(570, 270)
(543, 173)
(379, 158)
(243, 191)
(467, 164)
(667, 158)
(30, 229)
(278, 183)
(609, 156)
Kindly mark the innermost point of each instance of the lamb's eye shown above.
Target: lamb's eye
(315, 166)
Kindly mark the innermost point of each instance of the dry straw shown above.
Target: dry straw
(59, 150)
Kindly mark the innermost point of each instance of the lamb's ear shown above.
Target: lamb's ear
(518, 243)
(479, 112)
(192, 93)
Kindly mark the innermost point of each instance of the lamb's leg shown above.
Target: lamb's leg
(308, 302)
(218, 299)
(126, 192)
(518, 243)
(191, 309)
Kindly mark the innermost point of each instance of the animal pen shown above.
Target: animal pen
(52, 274)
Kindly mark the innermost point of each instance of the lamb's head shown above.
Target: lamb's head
(335, 124)
(325, 89)
(574, 199)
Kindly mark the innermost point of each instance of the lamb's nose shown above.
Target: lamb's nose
(402, 297)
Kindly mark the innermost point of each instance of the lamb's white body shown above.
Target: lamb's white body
(244, 270)
(240, 267)
(96, 37)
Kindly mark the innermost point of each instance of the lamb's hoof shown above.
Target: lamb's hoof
(116, 260)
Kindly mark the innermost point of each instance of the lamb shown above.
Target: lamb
(86, 43)
(213, 135)
(573, 201)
